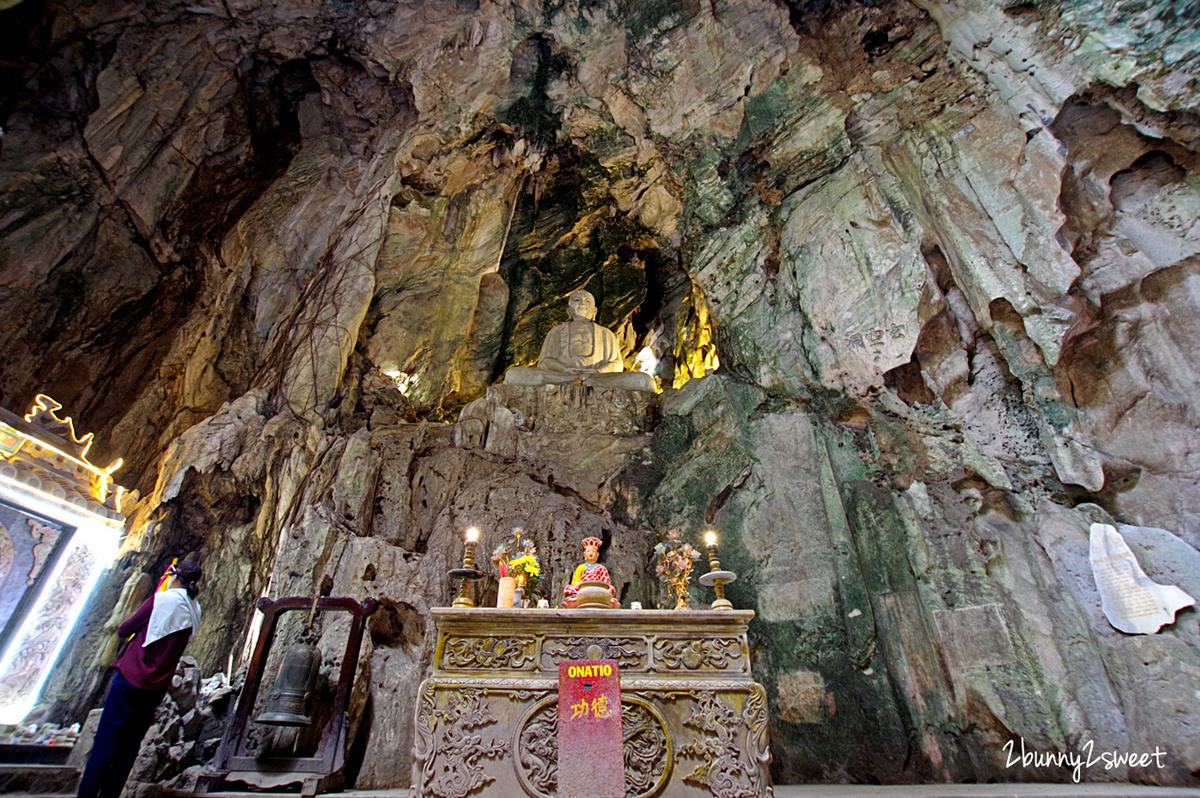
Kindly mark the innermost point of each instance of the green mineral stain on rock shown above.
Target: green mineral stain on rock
(711, 202)
(768, 108)
(644, 17)
(673, 438)
(880, 537)
(607, 142)
(535, 115)
(1058, 413)
(803, 644)
(706, 159)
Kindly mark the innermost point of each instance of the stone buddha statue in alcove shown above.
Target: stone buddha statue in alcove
(579, 350)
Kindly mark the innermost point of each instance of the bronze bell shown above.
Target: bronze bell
(288, 701)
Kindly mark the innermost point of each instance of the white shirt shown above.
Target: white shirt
(173, 610)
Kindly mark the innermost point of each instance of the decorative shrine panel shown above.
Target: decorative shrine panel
(694, 723)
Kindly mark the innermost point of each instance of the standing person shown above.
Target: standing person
(161, 629)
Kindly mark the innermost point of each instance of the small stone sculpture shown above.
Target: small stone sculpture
(582, 351)
(589, 571)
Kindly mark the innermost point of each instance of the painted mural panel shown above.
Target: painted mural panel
(29, 546)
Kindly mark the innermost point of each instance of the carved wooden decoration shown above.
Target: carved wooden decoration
(693, 718)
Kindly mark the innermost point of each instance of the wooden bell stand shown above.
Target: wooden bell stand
(319, 773)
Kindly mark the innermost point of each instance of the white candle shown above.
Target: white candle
(504, 598)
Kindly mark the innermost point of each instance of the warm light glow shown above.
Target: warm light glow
(62, 594)
(710, 538)
(102, 536)
(33, 499)
(646, 361)
(44, 404)
(472, 535)
(405, 382)
(102, 477)
(695, 345)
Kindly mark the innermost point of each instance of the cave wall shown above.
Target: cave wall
(917, 279)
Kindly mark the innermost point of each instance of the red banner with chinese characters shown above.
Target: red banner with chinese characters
(591, 755)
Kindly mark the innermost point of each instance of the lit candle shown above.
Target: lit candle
(716, 576)
(469, 549)
(467, 572)
(710, 539)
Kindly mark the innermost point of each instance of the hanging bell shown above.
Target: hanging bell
(288, 701)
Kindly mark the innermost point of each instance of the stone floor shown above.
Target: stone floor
(809, 791)
(25, 779)
(904, 791)
(987, 791)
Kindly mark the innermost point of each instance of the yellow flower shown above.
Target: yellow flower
(527, 564)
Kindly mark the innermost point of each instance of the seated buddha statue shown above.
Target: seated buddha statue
(579, 350)
(589, 571)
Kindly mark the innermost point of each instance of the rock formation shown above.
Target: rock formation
(918, 280)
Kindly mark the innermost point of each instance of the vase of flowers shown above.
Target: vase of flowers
(517, 559)
(675, 560)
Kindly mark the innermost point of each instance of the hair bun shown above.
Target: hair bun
(188, 572)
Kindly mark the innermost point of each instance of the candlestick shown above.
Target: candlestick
(467, 573)
(716, 578)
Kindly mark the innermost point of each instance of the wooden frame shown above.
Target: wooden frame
(318, 773)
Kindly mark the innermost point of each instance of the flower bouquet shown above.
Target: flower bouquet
(517, 559)
(675, 560)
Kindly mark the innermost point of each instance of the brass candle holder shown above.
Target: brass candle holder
(467, 573)
(716, 578)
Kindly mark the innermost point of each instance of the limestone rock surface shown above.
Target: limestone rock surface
(918, 281)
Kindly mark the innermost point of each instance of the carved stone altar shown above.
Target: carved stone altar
(694, 719)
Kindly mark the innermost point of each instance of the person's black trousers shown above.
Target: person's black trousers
(128, 713)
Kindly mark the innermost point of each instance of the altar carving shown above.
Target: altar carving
(451, 766)
(514, 653)
(693, 718)
(629, 652)
(649, 753)
(692, 655)
(580, 351)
